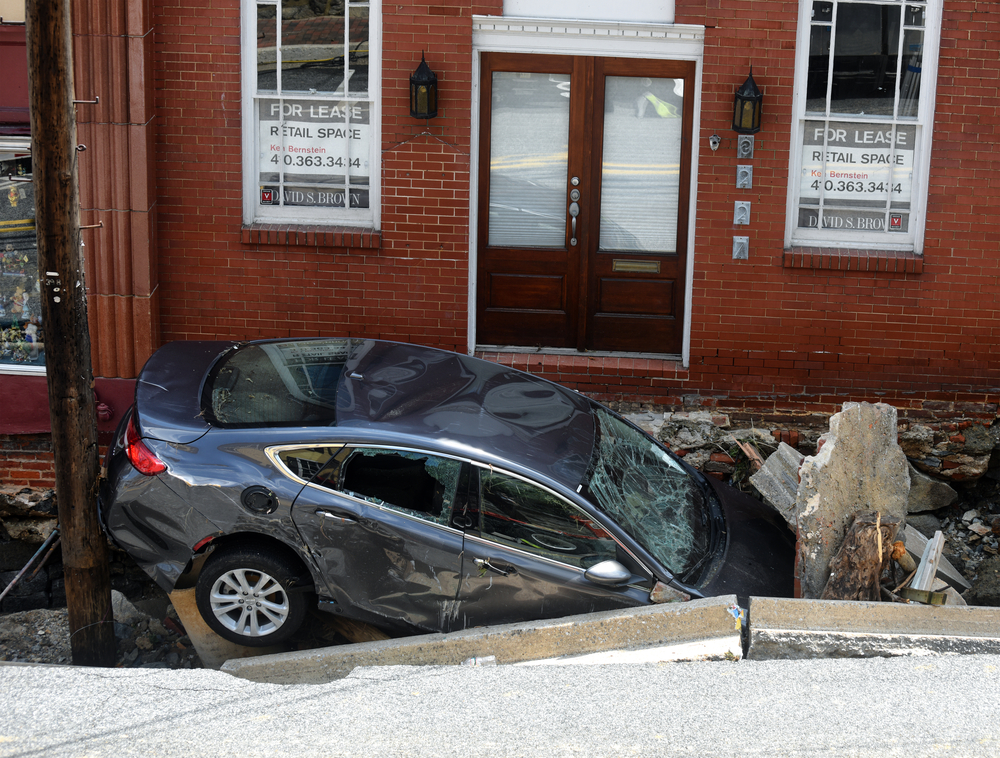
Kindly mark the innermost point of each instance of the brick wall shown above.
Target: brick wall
(764, 335)
(26, 461)
(411, 283)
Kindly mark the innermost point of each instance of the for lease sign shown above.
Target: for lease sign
(317, 150)
(861, 172)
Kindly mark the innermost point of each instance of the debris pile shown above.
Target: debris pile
(144, 640)
(848, 505)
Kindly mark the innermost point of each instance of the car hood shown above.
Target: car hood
(759, 550)
(168, 390)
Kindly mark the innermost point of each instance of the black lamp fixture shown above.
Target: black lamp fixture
(423, 91)
(746, 109)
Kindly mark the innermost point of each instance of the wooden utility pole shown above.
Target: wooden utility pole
(67, 337)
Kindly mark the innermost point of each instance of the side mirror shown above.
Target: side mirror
(608, 573)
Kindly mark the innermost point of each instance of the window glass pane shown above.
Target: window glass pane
(640, 173)
(519, 514)
(312, 46)
(420, 485)
(858, 143)
(529, 134)
(909, 88)
(267, 48)
(358, 57)
(313, 138)
(822, 11)
(865, 59)
(819, 69)
(22, 337)
(305, 463)
(915, 15)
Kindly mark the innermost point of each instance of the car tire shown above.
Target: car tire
(251, 596)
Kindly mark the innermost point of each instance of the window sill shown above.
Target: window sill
(851, 259)
(300, 235)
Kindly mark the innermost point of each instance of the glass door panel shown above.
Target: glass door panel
(640, 173)
(529, 127)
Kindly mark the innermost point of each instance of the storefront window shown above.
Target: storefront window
(311, 140)
(22, 338)
(864, 105)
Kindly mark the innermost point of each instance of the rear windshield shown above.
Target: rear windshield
(277, 384)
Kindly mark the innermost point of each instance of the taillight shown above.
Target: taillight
(139, 455)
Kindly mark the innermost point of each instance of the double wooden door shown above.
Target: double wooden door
(583, 202)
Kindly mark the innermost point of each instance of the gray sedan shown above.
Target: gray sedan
(411, 488)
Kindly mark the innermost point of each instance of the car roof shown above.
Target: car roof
(446, 399)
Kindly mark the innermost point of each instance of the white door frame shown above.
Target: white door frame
(589, 38)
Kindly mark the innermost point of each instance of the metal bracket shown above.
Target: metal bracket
(22, 180)
(95, 101)
(98, 225)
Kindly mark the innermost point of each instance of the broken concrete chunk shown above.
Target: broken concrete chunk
(927, 493)
(915, 544)
(778, 481)
(124, 611)
(860, 467)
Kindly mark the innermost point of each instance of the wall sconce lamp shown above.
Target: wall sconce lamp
(747, 107)
(423, 91)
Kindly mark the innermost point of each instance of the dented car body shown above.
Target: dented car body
(411, 488)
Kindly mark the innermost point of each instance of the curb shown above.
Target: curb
(663, 632)
(786, 629)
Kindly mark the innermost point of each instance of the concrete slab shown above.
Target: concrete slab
(787, 628)
(212, 649)
(655, 626)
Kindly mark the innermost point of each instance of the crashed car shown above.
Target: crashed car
(411, 488)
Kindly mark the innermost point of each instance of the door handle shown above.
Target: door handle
(336, 517)
(484, 565)
(574, 211)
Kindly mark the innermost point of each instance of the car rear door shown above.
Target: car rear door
(526, 551)
(379, 521)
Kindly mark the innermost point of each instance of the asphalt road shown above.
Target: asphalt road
(913, 706)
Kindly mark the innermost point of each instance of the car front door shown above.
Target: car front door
(379, 521)
(526, 551)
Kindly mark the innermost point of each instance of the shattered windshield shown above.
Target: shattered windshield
(649, 494)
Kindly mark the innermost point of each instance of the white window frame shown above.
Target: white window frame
(913, 239)
(253, 213)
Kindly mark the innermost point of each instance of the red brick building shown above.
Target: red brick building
(580, 206)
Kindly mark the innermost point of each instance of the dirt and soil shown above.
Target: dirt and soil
(144, 640)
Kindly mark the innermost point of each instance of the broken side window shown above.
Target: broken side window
(418, 484)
